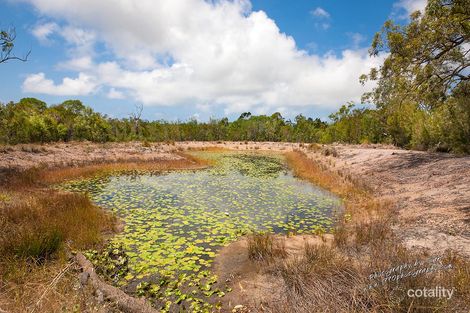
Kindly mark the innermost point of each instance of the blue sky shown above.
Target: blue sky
(190, 58)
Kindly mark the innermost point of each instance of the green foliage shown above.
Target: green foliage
(428, 57)
(31, 120)
(445, 128)
(354, 125)
(423, 85)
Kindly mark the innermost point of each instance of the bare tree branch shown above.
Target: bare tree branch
(7, 38)
(135, 117)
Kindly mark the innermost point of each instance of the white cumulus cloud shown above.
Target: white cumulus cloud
(205, 53)
(43, 31)
(38, 83)
(115, 94)
(410, 6)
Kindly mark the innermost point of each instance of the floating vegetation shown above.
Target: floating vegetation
(175, 222)
(112, 262)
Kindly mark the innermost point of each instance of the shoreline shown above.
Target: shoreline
(432, 190)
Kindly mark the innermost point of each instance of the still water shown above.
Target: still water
(176, 221)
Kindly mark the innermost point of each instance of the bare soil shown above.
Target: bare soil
(253, 285)
(55, 155)
(431, 190)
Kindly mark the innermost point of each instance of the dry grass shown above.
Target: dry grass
(265, 247)
(6, 148)
(334, 276)
(372, 232)
(359, 203)
(146, 144)
(33, 177)
(326, 279)
(36, 225)
(32, 148)
(318, 254)
(314, 147)
(329, 151)
(304, 167)
(38, 228)
(324, 283)
(50, 287)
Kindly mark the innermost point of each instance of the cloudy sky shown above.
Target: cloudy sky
(195, 58)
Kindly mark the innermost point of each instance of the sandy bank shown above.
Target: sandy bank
(432, 191)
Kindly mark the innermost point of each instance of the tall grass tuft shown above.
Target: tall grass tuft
(39, 246)
(265, 247)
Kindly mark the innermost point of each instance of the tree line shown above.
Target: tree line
(32, 121)
(421, 100)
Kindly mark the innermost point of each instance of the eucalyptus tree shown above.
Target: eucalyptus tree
(428, 58)
(427, 67)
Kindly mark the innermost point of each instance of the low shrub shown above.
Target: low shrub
(329, 151)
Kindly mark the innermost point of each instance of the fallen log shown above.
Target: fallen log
(124, 302)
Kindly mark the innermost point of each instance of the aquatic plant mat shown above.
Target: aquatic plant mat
(175, 222)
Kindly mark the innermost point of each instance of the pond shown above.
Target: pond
(176, 221)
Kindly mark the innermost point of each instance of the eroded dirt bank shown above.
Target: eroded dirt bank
(80, 153)
(432, 191)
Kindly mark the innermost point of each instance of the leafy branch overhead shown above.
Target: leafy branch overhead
(7, 39)
(429, 59)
